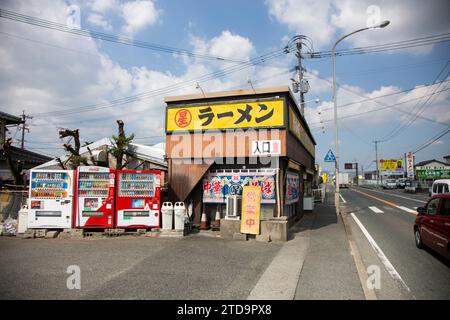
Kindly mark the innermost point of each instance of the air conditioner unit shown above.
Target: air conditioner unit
(234, 205)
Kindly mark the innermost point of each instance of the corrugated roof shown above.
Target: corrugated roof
(26, 156)
(9, 118)
(148, 153)
(424, 163)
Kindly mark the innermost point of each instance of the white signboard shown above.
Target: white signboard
(410, 165)
(266, 147)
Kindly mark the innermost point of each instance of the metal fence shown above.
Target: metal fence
(319, 194)
(11, 201)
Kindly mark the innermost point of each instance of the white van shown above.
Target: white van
(440, 186)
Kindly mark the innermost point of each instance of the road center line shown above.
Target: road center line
(387, 264)
(387, 202)
(399, 196)
(375, 209)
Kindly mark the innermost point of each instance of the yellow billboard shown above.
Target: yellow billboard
(251, 209)
(226, 116)
(391, 165)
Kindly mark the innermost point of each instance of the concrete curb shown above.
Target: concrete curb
(279, 281)
(360, 267)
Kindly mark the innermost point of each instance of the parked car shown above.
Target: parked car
(411, 186)
(440, 186)
(432, 225)
(401, 183)
(389, 184)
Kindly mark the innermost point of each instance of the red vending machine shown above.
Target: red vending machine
(95, 191)
(138, 201)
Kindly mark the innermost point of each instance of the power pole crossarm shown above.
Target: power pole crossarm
(24, 128)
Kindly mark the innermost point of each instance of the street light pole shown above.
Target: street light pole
(336, 141)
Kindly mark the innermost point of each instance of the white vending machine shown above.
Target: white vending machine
(51, 199)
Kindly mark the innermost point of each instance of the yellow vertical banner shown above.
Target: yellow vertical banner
(251, 209)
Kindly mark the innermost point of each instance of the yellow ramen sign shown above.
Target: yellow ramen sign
(226, 116)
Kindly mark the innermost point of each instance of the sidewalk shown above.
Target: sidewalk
(315, 264)
(329, 271)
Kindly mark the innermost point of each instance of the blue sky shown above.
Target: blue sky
(46, 71)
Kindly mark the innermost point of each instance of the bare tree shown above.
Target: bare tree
(120, 145)
(14, 166)
(75, 158)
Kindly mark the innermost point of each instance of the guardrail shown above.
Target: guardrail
(319, 194)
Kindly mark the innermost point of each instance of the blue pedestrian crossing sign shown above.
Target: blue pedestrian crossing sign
(330, 156)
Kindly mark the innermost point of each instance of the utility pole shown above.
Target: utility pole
(357, 178)
(300, 85)
(24, 127)
(376, 159)
(300, 77)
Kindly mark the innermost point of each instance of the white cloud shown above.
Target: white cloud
(320, 19)
(407, 103)
(40, 79)
(99, 20)
(307, 17)
(103, 5)
(139, 14)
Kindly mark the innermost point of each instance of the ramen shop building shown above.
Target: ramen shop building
(219, 142)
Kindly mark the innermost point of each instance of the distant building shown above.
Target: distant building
(432, 169)
(139, 157)
(447, 159)
(29, 159)
(432, 164)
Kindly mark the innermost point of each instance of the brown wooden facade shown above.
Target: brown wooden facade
(204, 151)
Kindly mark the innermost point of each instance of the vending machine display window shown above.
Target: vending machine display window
(51, 199)
(136, 185)
(95, 197)
(49, 185)
(138, 199)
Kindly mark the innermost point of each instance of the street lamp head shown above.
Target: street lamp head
(383, 24)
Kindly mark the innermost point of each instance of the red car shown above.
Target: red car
(432, 225)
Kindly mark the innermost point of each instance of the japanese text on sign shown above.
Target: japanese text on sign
(391, 165)
(217, 186)
(251, 206)
(299, 131)
(266, 147)
(226, 116)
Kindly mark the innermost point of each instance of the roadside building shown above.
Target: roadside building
(430, 170)
(137, 157)
(218, 142)
(29, 159)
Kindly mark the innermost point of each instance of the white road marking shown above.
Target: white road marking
(407, 209)
(375, 209)
(387, 264)
(398, 196)
(343, 200)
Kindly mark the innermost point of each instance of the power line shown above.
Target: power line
(146, 110)
(432, 140)
(383, 108)
(374, 98)
(381, 96)
(429, 40)
(165, 90)
(15, 16)
(396, 131)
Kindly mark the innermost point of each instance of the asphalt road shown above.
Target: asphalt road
(195, 267)
(423, 274)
